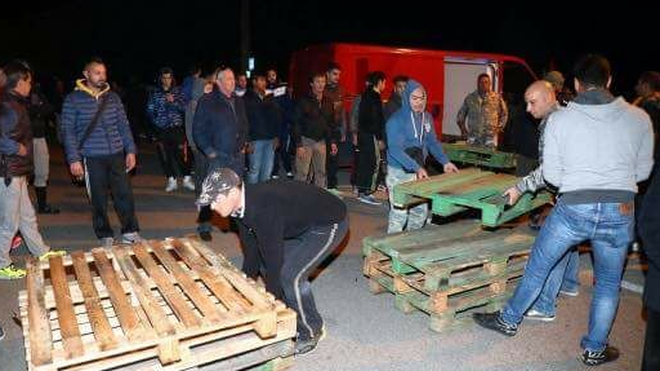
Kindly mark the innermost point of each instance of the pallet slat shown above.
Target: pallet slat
(97, 317)
(67, 318)
(40, 333)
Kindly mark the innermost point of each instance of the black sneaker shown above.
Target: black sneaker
(492, 321)
(205, 236)
(306, 346)
(2, 333)
(595, 358)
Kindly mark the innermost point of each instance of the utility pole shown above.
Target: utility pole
(245, 35)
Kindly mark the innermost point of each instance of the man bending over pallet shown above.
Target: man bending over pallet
(289, 245)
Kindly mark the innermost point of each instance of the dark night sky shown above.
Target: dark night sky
(137, 37)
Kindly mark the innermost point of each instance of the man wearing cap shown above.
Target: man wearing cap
(289, 246)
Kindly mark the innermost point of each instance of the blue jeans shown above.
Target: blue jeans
(563, 276)
(610, 229)
(261, 161)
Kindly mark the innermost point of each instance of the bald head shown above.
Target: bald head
(540, 99)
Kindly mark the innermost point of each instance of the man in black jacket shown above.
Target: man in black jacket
(264, 120)
(313, 126)
(649, 230)
(16, 210)
(371, 132)
(290, 246)
(220, 124)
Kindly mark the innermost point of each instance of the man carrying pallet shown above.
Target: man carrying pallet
(289, 246)
(541, 102)
(596, 150)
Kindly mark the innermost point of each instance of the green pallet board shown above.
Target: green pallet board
(480, 156)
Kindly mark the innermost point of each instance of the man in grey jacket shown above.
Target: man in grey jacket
(596, 150)
(541, 103)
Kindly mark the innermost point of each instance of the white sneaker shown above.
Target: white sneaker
(369, 199)
(131, 238)
(188, 183)
(106, 242)
(171, 185)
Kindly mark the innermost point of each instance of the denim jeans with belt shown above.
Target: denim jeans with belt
(609, 226)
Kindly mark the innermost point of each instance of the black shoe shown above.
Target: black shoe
(205, 236)
(2, 333)
(492, 321)
(306, 346)
(591, 358)
(48, 210)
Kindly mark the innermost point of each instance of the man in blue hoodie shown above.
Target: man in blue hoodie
(410, 136)
(596, 151)
(166, 109)
(107, 151)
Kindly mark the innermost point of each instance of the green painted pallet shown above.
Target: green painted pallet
(447, 271)
(479, 155)
(471, 188)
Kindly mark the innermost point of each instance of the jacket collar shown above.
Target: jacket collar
(81, 85)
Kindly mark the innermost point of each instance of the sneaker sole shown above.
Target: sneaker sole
(370, 203)
(9, 278)
(540, 319)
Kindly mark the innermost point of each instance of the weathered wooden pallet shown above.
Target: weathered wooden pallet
(159, 305)
(479, 155)
(447, 271)
(471, 188)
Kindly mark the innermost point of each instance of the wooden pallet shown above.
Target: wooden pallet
(479, 156)
(447, 271)
(174, 303)
(471, 188)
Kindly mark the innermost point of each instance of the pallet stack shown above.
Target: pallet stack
(455, 269)
(160, 305)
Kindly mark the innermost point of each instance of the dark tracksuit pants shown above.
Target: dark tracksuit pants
(302, 256)
(109, 172)
(331, 167)
(170, 149)
(368, 162)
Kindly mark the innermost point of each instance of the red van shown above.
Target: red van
(448, 76)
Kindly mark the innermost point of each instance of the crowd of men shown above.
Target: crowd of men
(227, 137)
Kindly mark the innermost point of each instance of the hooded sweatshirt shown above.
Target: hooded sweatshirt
(406, 129)
(112, 133)
(597, 149)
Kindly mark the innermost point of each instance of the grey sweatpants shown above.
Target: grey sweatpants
(400, 219)
(17, 214)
